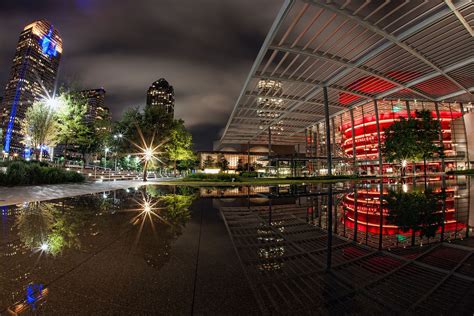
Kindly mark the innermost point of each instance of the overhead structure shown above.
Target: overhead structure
(360, 51)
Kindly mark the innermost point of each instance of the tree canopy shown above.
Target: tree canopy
(412, 139)
(40, 126)
(72, 128)
(415, 211)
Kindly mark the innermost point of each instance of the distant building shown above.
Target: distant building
(32, 77)
(96, 109)
(161, 94)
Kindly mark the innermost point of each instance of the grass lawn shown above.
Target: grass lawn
(462, 172)
(258, 181)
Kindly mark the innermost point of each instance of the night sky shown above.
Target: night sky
(203, 48)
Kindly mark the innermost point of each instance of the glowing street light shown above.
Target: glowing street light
(106, 150)
(404, 163)
(54, 103)
(147, 152)
(44, 247)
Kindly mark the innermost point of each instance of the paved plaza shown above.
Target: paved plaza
(17, 195)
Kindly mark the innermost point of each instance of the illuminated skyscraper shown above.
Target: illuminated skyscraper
(96, 109)
(32, 77)
(161, 94)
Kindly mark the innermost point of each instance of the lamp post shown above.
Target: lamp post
(54, 105)
(147, 155)
(117, 137)
(105, 157)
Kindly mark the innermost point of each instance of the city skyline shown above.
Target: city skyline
(32, 77)
(206, 64)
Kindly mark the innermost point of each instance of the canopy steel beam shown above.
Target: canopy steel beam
(412, 83)
(377, 49)
(290, 98)
(458, 14)
(389, 37)
(383, 42)
(316, 83)
(454, 94)
(285, 9)
(347, 64)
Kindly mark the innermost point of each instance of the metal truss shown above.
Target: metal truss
(360, 51)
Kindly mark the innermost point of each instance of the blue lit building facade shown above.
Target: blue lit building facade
(32, 77)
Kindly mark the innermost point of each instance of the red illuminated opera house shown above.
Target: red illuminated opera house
(362, 212)
(365, 131)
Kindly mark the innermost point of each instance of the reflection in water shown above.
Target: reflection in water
(415, 212)
(166, 215)
(35, 296)
(294, 267)
(47, 228)
(53, 231)
(408, 215)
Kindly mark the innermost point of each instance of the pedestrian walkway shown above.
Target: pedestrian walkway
(22, 194)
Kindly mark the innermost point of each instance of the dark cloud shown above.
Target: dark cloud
(203, 48)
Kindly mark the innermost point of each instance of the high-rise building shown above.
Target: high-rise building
(161, 94)
(96, 109)
(32, 77)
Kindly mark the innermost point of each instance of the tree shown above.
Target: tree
(188, 164)
(40, 127)
(178, 145)
(209, 162)
(415, 211)
(411, 139)
(97, 136)
(427, 135)
(400, 143)
(240, 166)
(222, 162)
(151, 121)
(72, 127)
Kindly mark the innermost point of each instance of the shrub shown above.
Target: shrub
(249, 174)
(33, 173)
(220, 177)
(467, 171)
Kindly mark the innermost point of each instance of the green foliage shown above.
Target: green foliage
(43, 223)
(153, 122)
(427, 135)
(467, 171)
(179, 143)
(222, 163)
(72, 128)
(413, 139)
(188, 164)
(209, 162)
(416, 211)
(33, 173)
(220, 177)
(249, 174)
(177, 208)
(40, 126)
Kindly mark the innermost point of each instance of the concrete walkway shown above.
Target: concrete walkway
(22, 194)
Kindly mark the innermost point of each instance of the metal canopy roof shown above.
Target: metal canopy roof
(360, 50)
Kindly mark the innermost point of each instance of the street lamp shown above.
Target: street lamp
(54, 103)
(116, 137)
(147, 156)
(105, 157)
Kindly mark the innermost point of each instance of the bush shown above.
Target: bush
(34, 173)
(327, 177)
(249, 174)
(220, 177)
(467, 171)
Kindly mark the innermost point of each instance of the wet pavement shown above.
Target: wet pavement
(156, 250)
